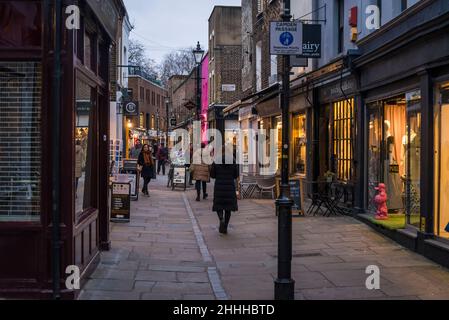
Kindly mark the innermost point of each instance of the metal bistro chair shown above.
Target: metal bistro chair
(318, 197)
(267, 185)
(248, 184)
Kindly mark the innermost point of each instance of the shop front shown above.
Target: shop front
(405, 100)
(334, 131)
(27, 34)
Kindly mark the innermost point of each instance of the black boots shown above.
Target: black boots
(198, 198)
(222, 227)
(224, 221)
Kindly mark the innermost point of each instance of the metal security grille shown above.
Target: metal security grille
(343, 114)
(20, 140)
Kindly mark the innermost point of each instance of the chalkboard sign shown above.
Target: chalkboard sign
(121, 202)
(295, 194)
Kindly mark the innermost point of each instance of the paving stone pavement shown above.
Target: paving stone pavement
(172, 250)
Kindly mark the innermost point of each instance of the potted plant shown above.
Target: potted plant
(329, 175)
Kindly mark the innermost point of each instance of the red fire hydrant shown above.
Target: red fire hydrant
(381, 202)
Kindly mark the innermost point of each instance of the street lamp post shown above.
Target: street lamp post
(198, 53)
(284, 284)
(167, 103)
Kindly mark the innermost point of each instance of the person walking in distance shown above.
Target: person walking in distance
(162, 157)
(225, 193)
(146, 164)
(201, 173)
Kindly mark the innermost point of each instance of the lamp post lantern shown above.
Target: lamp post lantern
(284, 284)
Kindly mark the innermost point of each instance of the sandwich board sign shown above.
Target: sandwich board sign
(286, 38)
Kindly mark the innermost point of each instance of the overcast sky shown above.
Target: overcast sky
(166, 25)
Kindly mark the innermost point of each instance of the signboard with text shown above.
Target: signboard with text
(286, 38)
(228, 88)
(121, 202)
(311, 41)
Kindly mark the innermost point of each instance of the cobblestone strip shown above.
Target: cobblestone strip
(214, 278)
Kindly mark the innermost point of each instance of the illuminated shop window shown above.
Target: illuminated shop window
(299, 143)
(343, 117)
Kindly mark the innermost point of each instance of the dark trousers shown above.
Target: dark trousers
(146, 181)
(161, 164)
(224, 214)
(198, 187)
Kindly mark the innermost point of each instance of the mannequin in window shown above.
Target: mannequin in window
(392, 178)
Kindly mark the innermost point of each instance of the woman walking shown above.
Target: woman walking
(146, 163)
(201, 173)
(225, 196)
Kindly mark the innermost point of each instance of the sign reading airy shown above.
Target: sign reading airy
(311, 46)
(286, 38)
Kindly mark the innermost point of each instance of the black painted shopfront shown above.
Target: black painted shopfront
(27, 54)
(404, 81)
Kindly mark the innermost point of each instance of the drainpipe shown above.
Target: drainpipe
(56, 143)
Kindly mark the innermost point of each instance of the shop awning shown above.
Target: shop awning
(252, 99)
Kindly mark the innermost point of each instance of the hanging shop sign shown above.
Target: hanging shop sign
(121, 202)
(286, 38)
(311, 41)
(173, 122)
(132, 108)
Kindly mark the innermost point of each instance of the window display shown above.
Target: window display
(394, 139)
(299, 144)
(84, 146)
(442, 162)
(278, 127)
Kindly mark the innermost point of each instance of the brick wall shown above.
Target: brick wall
(228, 70)
(20, 138)
(148, 105)
(256, 27)
(182, 89)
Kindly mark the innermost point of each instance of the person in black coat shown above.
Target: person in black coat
(146, 163)
(225, 195)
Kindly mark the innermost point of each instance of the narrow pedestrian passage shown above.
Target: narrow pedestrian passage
(171, 249)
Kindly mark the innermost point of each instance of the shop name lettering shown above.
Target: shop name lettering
(311, 47)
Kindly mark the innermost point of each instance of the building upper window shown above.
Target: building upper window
(260, 6)
(259, 66)
(341, 27)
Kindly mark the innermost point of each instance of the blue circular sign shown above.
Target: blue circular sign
(286, 38)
